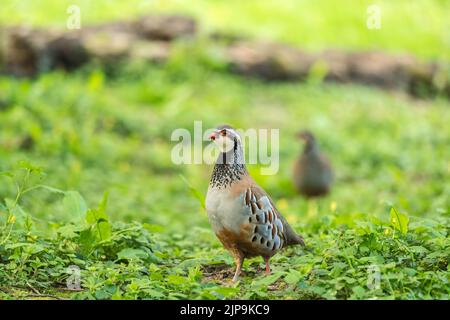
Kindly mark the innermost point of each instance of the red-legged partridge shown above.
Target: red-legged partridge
(313, 174)
(241, 213)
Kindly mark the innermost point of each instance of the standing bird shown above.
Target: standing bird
(313, 174)
(241, 213)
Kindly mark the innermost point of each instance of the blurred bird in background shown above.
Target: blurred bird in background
(313, 174)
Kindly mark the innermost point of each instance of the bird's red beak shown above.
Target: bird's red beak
(212, 136)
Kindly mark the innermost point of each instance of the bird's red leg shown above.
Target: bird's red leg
(267, 265)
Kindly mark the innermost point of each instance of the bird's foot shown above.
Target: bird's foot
(261, 270)
(236, 275)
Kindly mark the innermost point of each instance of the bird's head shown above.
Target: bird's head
(306, 136)
(308, 139)
(226, 138)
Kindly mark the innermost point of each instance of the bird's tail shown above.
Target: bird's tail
(292, 238)
(296, 239)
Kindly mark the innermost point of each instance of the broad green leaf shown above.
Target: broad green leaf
(153, 293)
(97, 215)
(225, 291)
(266, 280)
(68, 231)
(205, 295)
(34, 248)
(6, 174)
(20, 216)
(74, 205)
(418, 249)
(117, 295)
(104, 230)
(348, 279)
(410, 272)
(359, 292)
(293, 277)
(399, 221)
(176, 280)
(29, 166)
(86, 241)
(130, 254)
(16, 245)
(102, 294)
(94, 216)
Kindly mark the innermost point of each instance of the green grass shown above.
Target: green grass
(404, 259)
(371, 260)
(86, 177)
(418, 27)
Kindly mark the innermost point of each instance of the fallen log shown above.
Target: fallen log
(272, 61)
(28, 52)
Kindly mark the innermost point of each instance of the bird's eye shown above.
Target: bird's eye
(223, 132)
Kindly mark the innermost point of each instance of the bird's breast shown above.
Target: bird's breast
(224, 210)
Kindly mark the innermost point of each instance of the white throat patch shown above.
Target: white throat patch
(224, 143)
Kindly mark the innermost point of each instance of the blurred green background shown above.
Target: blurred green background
(95, 133)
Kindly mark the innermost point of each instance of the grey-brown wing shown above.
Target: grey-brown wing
(266, 228)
